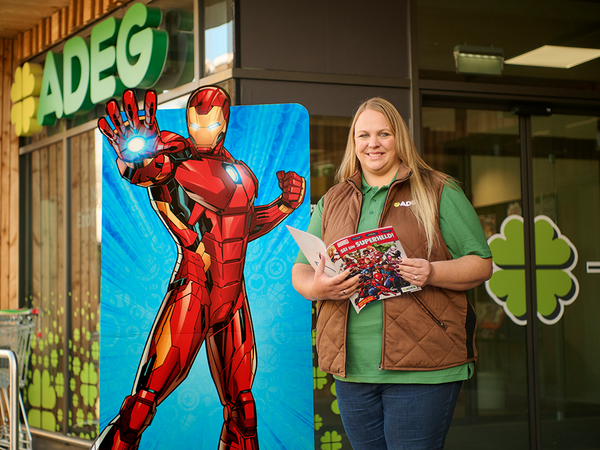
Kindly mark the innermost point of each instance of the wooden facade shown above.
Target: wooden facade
(13, 53)
(9, 184)
(62, 24)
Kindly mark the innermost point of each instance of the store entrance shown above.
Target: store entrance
(535, 182)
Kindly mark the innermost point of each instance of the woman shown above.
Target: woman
(399, 365)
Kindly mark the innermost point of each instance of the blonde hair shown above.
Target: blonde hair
(424, 179)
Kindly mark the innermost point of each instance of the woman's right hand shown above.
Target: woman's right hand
(317, 285)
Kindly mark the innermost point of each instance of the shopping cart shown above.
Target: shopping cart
(16, 330)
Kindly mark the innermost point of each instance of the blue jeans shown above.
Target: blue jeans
(397, 416)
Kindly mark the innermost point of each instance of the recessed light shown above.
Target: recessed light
(555, 56)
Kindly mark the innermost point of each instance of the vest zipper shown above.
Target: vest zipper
(435, 319)
(379, 226)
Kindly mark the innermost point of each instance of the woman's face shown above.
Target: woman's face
(375, 148)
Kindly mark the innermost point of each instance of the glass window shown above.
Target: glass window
(218, 36)
(328, 138)
(62, 280)
(512, 27)
(178, 22)
(44, 284)
(85, 164)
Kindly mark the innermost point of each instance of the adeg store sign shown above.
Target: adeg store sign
(127, 53)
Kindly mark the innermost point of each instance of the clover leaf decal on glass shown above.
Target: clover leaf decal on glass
(555, 256)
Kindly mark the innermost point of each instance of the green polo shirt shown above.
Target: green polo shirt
(364, 334)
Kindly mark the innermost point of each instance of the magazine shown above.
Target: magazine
(374, 255)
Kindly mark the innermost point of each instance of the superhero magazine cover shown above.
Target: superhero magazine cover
(194, 272)
(374, 255)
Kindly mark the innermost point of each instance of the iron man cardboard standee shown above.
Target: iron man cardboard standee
(205, 198)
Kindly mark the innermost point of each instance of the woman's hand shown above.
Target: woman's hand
(415, 270)
(317, 285)
(458, 274)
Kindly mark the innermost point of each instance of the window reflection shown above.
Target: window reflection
(328, 137)
(218, 36)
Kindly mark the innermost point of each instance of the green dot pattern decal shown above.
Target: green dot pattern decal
(329, 430)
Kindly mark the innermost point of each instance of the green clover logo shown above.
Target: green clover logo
(319, 378)
(331, 441)
(54, 358)
(42, 398)
(318, 421)
(89, 384)
(76, 366)
(59, 381)
(24, 94)
(555, 258)
(334, 404)
(95, 350)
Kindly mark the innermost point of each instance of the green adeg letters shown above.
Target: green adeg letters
(82, 76)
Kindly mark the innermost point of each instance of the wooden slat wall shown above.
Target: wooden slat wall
(77, 275)
(36, 238)
(84, 248)
(59, 324)
(9, 184)
(62, 24)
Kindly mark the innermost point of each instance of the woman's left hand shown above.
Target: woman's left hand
(458, 274)
(417, 271)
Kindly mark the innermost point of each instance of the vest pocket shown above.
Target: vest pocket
(429, 313)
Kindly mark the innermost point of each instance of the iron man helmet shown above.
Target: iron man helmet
(207, 117)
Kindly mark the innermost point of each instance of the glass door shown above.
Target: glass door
(481, 149)
(536, 383)
(566, 191)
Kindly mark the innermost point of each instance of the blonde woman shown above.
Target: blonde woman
(400, 364)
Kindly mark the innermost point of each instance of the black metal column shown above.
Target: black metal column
(533, 376)
(416, 127)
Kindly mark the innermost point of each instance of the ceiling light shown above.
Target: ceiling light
(555, 56)
(478, 60)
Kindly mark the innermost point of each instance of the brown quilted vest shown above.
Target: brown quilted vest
(427, 330)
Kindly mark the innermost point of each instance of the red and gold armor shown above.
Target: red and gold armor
(205, 198)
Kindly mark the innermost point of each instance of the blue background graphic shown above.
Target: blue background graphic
(138, 256)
